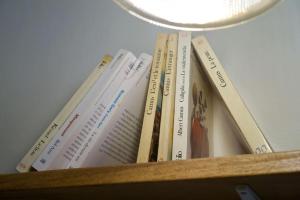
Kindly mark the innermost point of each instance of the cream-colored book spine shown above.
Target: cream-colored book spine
(182, 106)
(46, 137)
(150, 112)
(250, 132)
(167, 113)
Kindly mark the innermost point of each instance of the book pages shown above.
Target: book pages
(116, 137)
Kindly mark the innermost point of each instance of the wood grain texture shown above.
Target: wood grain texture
(271, 175)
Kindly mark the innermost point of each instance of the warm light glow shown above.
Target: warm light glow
(196, 13)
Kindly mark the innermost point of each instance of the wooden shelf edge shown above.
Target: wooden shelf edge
(196, 169)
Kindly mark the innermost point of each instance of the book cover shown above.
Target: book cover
(116, 138)
(148, 146)
(200, 113)
(250, 133)
(46, 137)
(225, 140)
(167, 114)
(45, 160)
(192, 135)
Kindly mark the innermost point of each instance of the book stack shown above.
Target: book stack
(178, 104)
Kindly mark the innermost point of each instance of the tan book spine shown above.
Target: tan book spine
(167, 113)
(150, 112)
(250, 132)
(45, 138)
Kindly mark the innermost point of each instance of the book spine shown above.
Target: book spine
(167, 114)
(250, 132)
(133, 77)
(80, 135)
(181, 120)
(54, 147)
(150, 113)
(45, 138)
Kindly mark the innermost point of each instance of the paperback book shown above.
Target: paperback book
(167, 114)
(94, 102)
(148, 146)
(192, 135)
(116, 138)
(79, 136)
(27, 161)
(249, 132)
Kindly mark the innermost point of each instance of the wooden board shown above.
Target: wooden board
(271, 175)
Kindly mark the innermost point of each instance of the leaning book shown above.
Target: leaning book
(249, 132)
(118, 67)
(46, 137)
(115, 140)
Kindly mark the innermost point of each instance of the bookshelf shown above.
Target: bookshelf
(271, 176)
(68, 49)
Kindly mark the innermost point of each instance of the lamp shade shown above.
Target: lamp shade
(196, 14)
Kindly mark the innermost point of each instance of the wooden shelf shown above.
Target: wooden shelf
(269, 175)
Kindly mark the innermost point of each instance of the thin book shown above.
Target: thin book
(45, 160)
(79, 135)
(167, 114)
(192, 134)
(148, 146)
(27, 161)
(250, 133)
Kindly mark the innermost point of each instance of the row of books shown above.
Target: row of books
(178, 104)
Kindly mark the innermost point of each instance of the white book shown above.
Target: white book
(193, 117)
(72, 122)
(49, 133)
(116, 137)
(181, 118)
(85, 128)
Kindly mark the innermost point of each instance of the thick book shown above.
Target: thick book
(120, 65)
(192, 134)
(116, 139)
(250, 133)
(148, 146)
(46, 137)
(167, 113)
